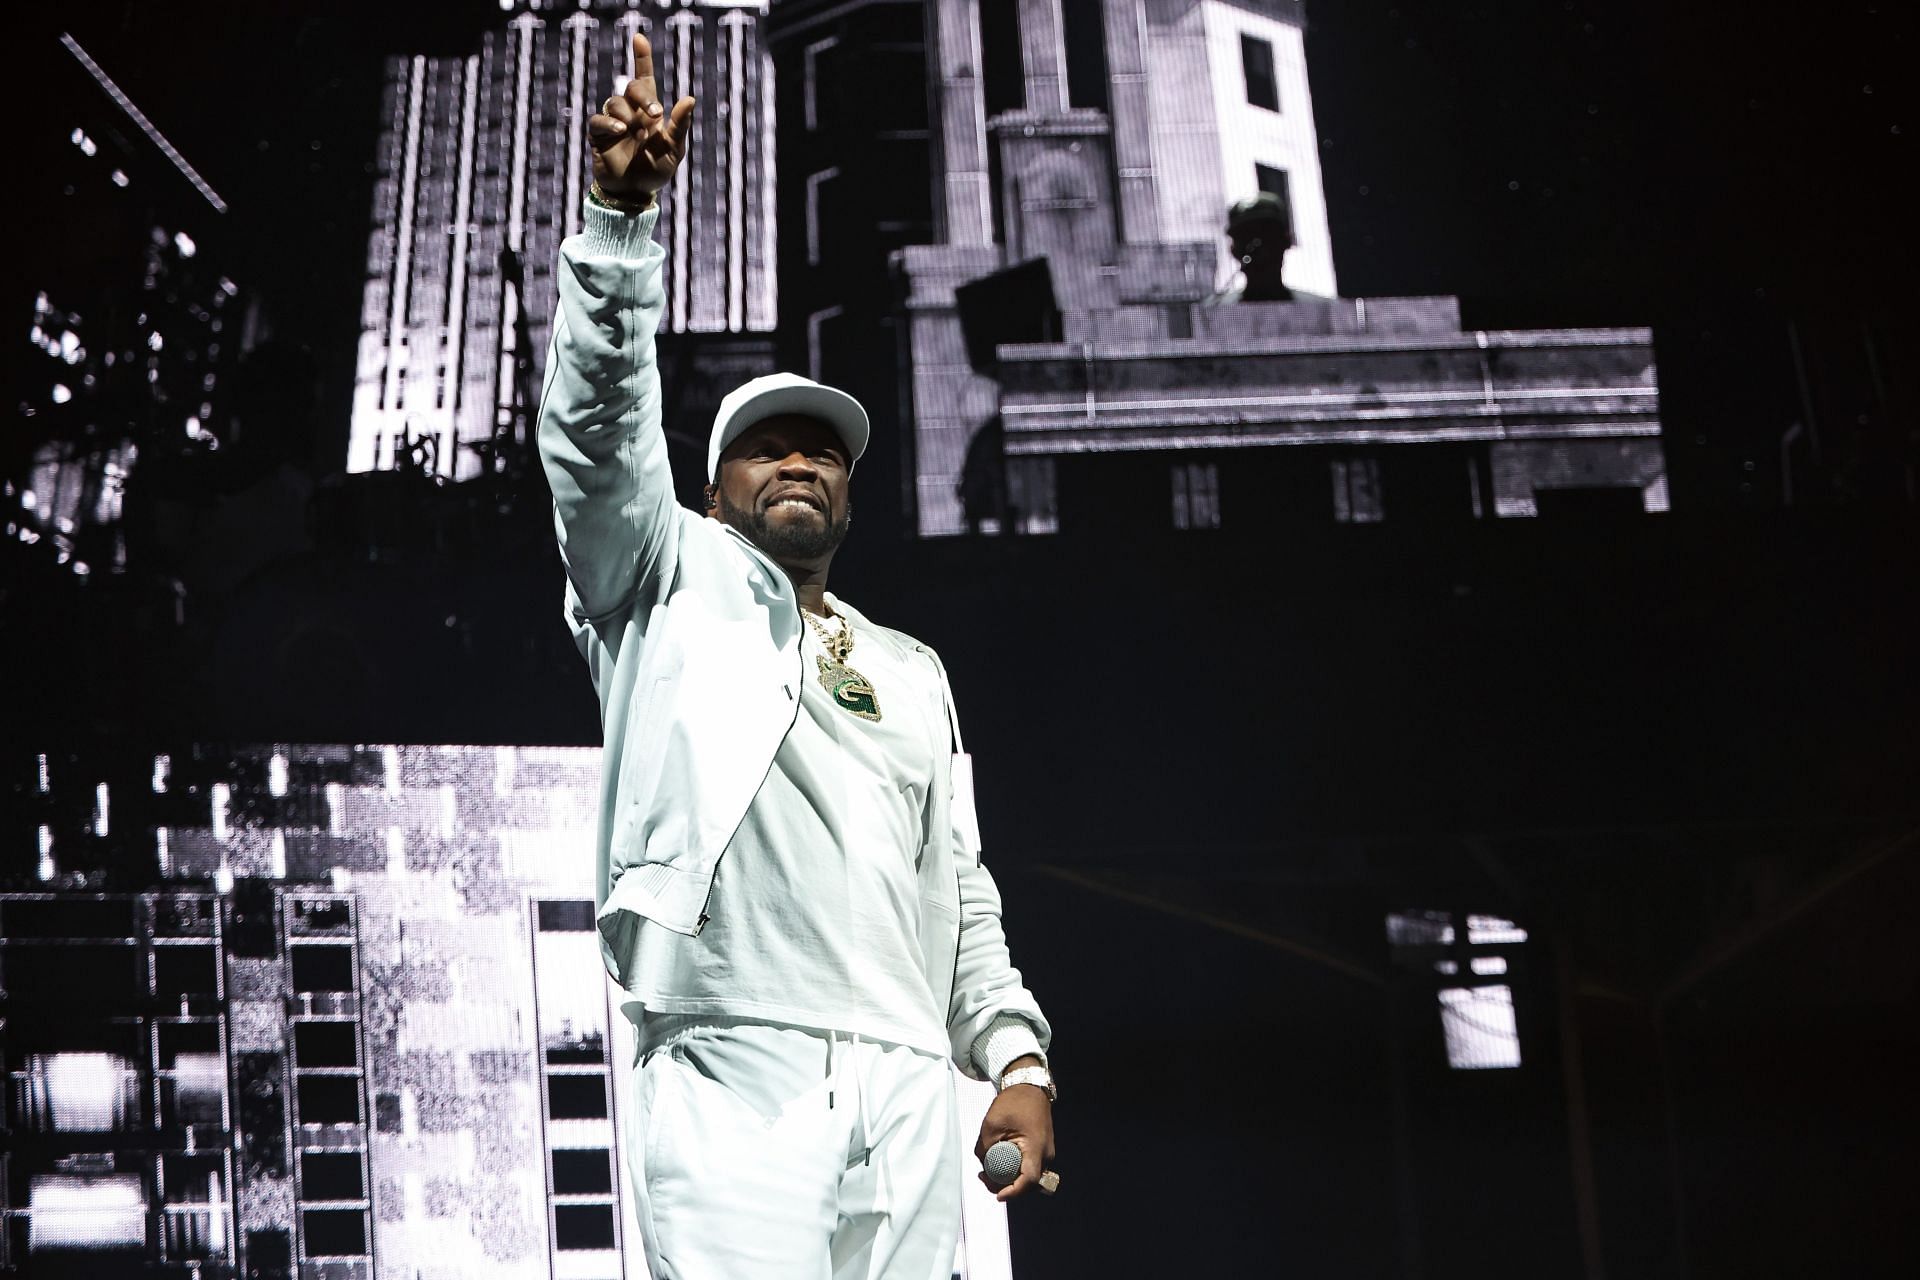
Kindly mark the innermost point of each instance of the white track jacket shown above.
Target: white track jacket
(692, 636)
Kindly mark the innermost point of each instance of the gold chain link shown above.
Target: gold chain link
(838, 646)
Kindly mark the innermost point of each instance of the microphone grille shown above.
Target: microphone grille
(1002, 1162)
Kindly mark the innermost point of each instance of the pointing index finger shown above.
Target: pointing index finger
(642, 91)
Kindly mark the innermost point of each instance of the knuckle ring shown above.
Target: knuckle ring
(1049, 1182)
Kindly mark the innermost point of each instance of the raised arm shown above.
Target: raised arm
(599, 429)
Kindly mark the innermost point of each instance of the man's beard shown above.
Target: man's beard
(791, 541)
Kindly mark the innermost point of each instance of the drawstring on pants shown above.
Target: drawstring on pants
(859, 1094)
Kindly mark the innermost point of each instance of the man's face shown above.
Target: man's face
(783, 483)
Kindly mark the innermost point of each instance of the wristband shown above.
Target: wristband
(616, 203)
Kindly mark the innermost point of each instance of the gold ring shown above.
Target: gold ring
(1049, 1182)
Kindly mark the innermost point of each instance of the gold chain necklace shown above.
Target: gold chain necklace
(851, 691)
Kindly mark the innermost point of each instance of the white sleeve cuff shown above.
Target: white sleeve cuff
(1006, 1038)
(608, 233)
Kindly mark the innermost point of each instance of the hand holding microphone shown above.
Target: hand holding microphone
(1016, 1136)
(1002, 1166)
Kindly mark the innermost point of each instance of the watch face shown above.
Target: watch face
(1032, 1075)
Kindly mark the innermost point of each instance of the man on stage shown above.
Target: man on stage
(790, 891)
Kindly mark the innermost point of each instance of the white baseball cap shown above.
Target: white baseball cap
(778, 393)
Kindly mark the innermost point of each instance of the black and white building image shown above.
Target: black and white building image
(1067, 298)
(136, 326)
(1146, 358)
(121, 1120)
(357, 1025)
(480, 164)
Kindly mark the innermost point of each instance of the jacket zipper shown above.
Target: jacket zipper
(800, 625)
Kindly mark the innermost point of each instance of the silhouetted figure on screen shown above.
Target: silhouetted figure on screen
(1260, 232)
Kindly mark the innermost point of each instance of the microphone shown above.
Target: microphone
(1002, 1165)
(1002, 1162)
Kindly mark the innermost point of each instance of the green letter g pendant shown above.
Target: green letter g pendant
(851, 691)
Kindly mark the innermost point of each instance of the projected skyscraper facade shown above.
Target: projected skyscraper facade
(1076, 347)
(482, 162)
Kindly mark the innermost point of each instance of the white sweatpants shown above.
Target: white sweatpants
(768, 1151)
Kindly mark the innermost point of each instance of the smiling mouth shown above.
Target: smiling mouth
(795, 500)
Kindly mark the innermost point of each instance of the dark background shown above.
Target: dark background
(1679, 750)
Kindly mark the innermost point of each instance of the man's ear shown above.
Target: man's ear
(713, 498)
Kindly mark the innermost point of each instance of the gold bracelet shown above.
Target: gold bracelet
(618, 205)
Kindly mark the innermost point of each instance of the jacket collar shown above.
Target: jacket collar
(784, 585)
(841, 606)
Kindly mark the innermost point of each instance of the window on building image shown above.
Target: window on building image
(576, 1097)
(328, 1099)
(1196, 495)
(582, 1226)
(111, 971)
(192, 969)
(1356, 491)
(331, 1175)
(1274, 182)
(80, 1093)
(564, 915)
(330, 1043)
(334, 1233)
(586, 1171)
(197, 1211)
(1256, 60)
(1084, 35)
(1477, 1018)
(194, 1090)
(86, 1211)
(322, 967)
(1480, 1027)
(1002, 84)
(1033, 500)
